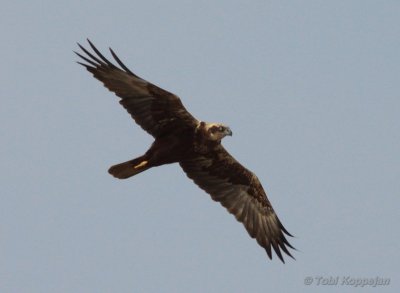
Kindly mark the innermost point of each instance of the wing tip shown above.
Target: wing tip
(277, 247)
(279, 243)
(99, 61)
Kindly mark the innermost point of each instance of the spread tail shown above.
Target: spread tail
(130, 168)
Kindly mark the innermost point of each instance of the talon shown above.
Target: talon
(142, 164)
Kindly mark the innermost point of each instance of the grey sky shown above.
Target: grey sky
(310, 90)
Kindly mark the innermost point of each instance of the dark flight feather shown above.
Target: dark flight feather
(242, 194)
(154, 109)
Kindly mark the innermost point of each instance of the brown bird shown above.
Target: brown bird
(195, 145)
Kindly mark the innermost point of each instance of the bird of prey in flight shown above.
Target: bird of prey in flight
(195, 145)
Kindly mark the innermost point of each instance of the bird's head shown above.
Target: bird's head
(216, 131)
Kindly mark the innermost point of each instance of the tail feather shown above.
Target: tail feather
(129, 168)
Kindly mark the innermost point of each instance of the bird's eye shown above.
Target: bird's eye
(220, 128)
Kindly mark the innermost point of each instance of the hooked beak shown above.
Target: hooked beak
(228, 131)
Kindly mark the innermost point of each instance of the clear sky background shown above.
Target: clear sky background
(311, 90)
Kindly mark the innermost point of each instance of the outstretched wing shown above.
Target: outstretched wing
(242, 194)
(154, 109)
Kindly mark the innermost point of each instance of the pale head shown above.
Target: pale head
(216, 131)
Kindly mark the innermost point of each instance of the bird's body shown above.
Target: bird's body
(167, 149)
(195, 145)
